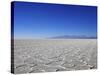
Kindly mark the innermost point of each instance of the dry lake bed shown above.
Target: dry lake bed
(52, 55)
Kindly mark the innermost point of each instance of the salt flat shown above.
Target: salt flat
(51, 55)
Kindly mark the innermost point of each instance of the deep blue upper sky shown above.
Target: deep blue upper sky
(40, 20)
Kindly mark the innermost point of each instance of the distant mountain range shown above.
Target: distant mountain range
(74, 37)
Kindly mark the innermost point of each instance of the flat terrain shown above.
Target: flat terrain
(37, 55)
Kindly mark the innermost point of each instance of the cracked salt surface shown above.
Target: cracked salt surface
(32, 56)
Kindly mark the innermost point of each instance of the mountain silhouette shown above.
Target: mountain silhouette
(74, 37)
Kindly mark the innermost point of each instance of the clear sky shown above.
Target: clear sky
(40, 20)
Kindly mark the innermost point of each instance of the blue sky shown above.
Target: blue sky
(40, 20)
